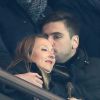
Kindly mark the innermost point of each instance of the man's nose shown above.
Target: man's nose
(51, 40)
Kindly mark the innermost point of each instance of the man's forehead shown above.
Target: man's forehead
(52, 26)
(57, 33)
(52, 33)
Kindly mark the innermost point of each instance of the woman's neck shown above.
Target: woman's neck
(46, 79)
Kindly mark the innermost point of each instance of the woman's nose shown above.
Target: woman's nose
(52, 55)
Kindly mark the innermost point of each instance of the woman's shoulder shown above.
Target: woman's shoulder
(18, 69)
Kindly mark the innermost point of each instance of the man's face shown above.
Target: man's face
(59, 37)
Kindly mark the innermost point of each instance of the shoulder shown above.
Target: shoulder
(92, 70)
(18, 69)
(93, 61)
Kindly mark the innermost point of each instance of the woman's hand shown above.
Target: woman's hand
(72, 98)
(33, 78)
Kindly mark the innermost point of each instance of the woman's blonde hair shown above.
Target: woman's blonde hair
(24, 49)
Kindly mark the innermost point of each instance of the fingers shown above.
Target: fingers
(37, 75)
(38, 80)
(72, 98)
(37, 83)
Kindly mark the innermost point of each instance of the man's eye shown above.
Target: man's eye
(57, 36)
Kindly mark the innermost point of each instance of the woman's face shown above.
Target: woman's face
(43, 54)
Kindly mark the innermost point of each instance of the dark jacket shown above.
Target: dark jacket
(84, 76)
(5, 57)
(55, 85)
(81, 71)
(17, 94)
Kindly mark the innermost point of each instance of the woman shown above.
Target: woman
(37, 56)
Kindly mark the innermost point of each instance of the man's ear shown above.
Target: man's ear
(75, 41)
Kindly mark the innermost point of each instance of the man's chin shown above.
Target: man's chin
(60, 60)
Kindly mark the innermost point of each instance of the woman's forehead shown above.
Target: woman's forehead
(42, 42)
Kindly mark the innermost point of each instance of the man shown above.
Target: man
(89, 19)
(62, 31)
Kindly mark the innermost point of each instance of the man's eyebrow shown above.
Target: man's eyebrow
(54, 33)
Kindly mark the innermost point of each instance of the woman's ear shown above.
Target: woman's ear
(75, 41)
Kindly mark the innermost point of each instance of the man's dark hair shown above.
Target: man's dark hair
(70, 21)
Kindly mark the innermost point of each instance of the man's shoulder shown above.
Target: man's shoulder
(92, 69)
(94, 60)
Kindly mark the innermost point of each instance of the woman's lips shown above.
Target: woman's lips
(49, 61)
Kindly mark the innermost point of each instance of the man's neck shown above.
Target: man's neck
(69, 59)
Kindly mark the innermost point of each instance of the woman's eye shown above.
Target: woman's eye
(44, 49)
